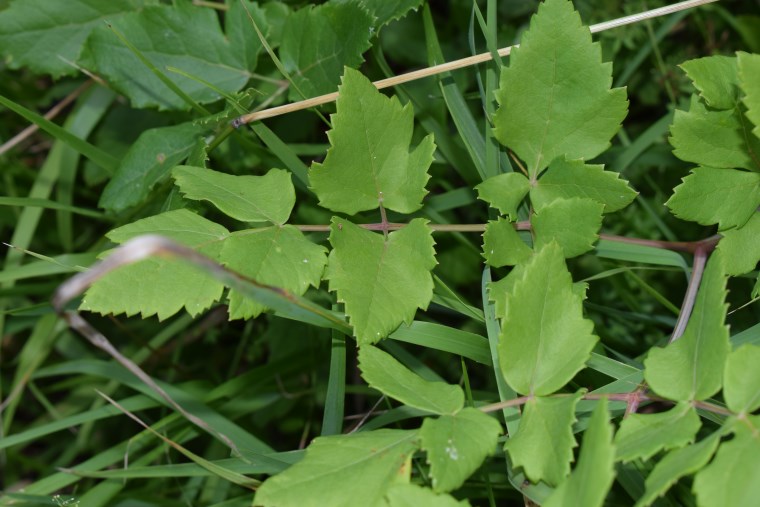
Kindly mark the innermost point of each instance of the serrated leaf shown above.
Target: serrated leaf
(318, 42)
(456, 446)
(168, 36)
(592, 477)
(543, 445)
(369, 162)
(555, 97)
(386, 11)
(500, 290)
(411, 495)
(157, 286)
(341, 470)
(382, 372)
(277, 256)
(244, 42)
(709, 196)
(741, 247)
(573, 223)
(502, 245)
(716, 78)
(504, 192)
(691, 368)
(566, 179)
(749, 77)
(267, 198)
(382, 281)
(155, 153)
(48, 37)
(741, 380)
(643, 435)
(544, 340)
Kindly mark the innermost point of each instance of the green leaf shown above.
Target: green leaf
(155, 153)
(691, 368)
(383, 372)
(168, 36)
(369, 162)
(716, 196)
(382, 281)
(47, 37)
(244, 43)
(339, 470)
(544, 340)
(566, 179)
(716, 78)
(742, 379)
(504, 192)
(741, 247)
(543, 445)
(386, 11)
(317, 42)
(573, 223)
(643, 435)
(411, 495)
(555, 97)
(502, 246)
(277, 256)
(593, 475)
(246, 198)
(158, 286)
(457, 445)
(749, 76)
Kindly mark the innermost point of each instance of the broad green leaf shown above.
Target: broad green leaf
(566, 179)
(411, 495)
(544, 340)
(319, 41)
(504, 192)
(155, 153)
(267, 198)
(244, 42)
(573, 223)
(386, 11)
(500, 291)
(158, 286)
(168, 36)
(716, 78)
(456, 445)
(555, 97)
(382, 281)
(543, 445)
(691, 368)
(733, 477)
(277, 256)
(677, 464)
(369, 162)
(741, 380)
(709, 196)
(749, 77)
(342, 470)
(592, 477)
(47, 37)
(502, 245)
(741, 247)
(643, 435)
(383, 372)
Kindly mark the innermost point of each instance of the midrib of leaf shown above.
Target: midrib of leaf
(540, 345)
(534, 172)
(242, 198)
(746, 133)
(376, 282)
(371, 158)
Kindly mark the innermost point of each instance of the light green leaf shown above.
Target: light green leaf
(691, 368)
(386, 11)
(382, 281)
(677, 464)
(741, 247)
(318, 41)
(457, 445)
(504, 192)
(593, 475)
(168, 36)
(502, 245)
(369, 162)
(278, 256)
(573, 178)
(543, 445)
(555, 97)
(716, 196)
(47, 37)
(741, 380)
(246, 198)
(411, 495)
(244, 42)
(158, 286)
(341, 470)
(155, 153)
(383, 372)
(573, 223)
(749, 76)
(716, 78)
(500, 290)
(544, 340)
(643, 435)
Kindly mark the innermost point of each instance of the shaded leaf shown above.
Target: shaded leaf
(572, 223)
(716, 78)
(411, 495)
(504, 192)
(741, 247)
(643, 435)
(502, 246)
(741, 380)
(244, 42)
(386, 11)
(749, 76)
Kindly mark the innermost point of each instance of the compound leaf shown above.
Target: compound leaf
(573, 223)
(741, 380)
(369, 163)
(716, 78)
(504, 192)
(642, 435)
(749, 76)
(741, 247)
(502, 245)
